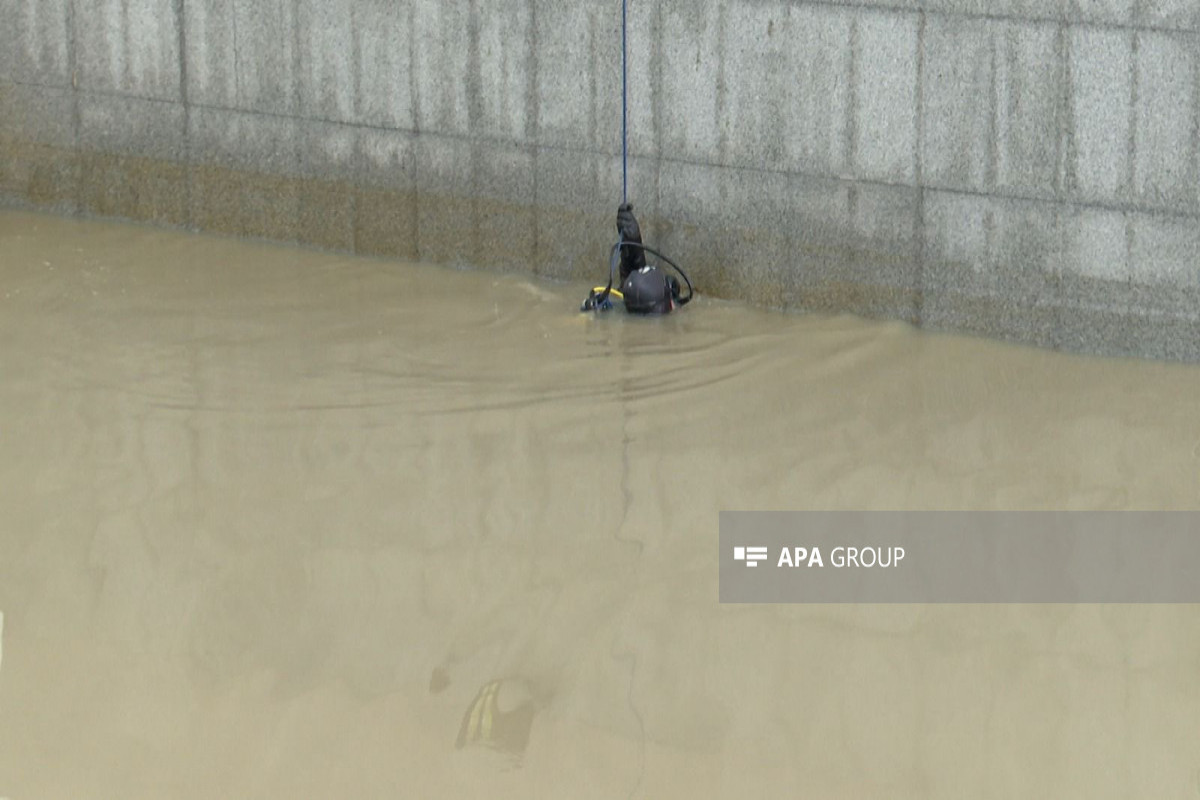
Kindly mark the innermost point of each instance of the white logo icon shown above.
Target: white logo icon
(751, 555)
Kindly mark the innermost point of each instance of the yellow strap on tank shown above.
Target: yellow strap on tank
(613, 292)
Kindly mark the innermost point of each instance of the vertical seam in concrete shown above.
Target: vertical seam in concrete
(474, 75)
(1013, 98)
(355, 59)
(656, 106)
(410, 166)
(414, 90)
(1062, 170)
(1191, 197)
(1054, 282)
(532, 120)
(1131, 155)
(1134, 99)
(414, 94)
(474, 79)
(593, 66)
(989, 242)
(357, 158)
(991, 169)
(532, 98)
(353, 198)
(1065, 171)
(296, 59)
(1129, 244)
(298, 129)
(919, 111)
(181, 25)
(127, 75)
(76, 122)
(852, 102)
(722, 78)
(918, 310)
(237, 61)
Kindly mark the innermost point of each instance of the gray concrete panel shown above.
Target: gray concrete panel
(1101, 66)
(505, 219)
(1112, 12)
(1096, 244)
(1164, 173)
(1176, 14)
(991, 101)
(959, 122)
(505, 70)
(37, 114)
(445, 174)
(329, 65)
(442, 60)
(39, 165)
(383, 37)
(132, 126)
(245, 176)
(35, 41)
(758, 74)
(577, 199)
(133, 159)
(693, 85)
(1165, 253)
(885, 88)
(1049, 10)
(1029, 75)
(817, 96)
(242, 55)
(128, 46)
(385, 206)
(327, 164)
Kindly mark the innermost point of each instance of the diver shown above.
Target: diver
(645, 289)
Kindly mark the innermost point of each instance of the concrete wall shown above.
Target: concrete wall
(1019, 168)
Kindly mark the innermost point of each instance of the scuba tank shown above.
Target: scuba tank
(648, 290)
(645, 289)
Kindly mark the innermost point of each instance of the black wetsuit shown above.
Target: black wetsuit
(632, 258)
(647, 290)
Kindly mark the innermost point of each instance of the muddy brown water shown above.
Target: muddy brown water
(279, 523)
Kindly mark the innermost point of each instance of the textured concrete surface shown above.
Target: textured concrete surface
(1026, 169)
(35, 41)
(127, 46)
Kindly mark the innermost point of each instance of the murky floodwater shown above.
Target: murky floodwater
(285, 524)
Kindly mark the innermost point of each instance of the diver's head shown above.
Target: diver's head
(649, 291)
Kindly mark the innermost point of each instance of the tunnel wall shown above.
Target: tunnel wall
(1023, 169)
